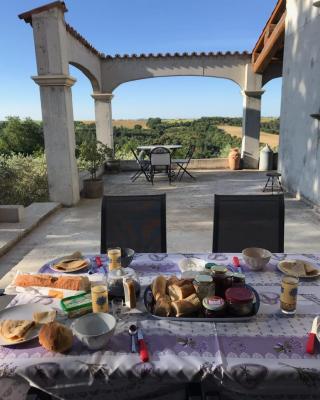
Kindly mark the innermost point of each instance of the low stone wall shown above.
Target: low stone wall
(200, 163)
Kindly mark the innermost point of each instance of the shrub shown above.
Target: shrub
(23, 179)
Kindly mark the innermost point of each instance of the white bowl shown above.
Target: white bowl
(94, 330)
(192, 264)
(256, 258)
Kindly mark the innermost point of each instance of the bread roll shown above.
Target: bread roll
(159, 287)
(187, 306)
(173, 280)
(53, 281)
(55, 337)
(180, 292)
(162, 307)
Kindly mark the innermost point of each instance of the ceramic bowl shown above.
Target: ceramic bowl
(94, 330)
(256, 258)
(192, 264)
(126, 257)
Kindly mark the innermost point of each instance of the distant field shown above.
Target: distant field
(266, 138)
(129, 123)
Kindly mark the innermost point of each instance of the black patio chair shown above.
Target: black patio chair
(184, 162)
(160, 159)
(137, 222)
(242, 221)
(144, 166)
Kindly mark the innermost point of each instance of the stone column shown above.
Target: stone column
(103, 114)
(51, 46)
(57, 115)
(251, 128)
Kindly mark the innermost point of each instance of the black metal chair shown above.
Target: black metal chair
(242, 221)
(137, 222)
(160, 159)
(184, 162)
(144, 167)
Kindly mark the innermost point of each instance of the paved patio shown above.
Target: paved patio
(189, 219)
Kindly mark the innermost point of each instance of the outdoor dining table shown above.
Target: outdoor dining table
(265, 355)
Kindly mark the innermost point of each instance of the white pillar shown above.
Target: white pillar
(57, 115)
(251, 128)
(103, 115)
(51, 45)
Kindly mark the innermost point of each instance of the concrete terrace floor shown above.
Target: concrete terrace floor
(189, 219)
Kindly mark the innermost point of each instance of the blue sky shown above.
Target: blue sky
(140, 26)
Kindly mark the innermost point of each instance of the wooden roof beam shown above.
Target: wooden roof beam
(271, 46)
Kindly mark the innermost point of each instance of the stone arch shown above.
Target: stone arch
(93, 80)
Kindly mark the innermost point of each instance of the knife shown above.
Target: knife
(143, 350)
(236, 263)
(310, 346)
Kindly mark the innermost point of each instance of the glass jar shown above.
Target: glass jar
(115, 282)
(219, 278)
(238, 280)
(214, 306)
(114, 256)
(239, 301)
(204, 286)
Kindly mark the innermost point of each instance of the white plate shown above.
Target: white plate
(52, 266)
(303, 276)
(24, 311)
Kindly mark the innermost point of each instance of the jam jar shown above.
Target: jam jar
(204, 286)
(238, 279)
(214, 306)
(221, 279)
(239, 300)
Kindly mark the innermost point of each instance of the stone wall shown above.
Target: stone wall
(299, 157)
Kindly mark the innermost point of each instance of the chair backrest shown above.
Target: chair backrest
(242, 221)
(160, 156)
(137, 222)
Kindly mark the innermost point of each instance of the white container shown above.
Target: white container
(94, 330)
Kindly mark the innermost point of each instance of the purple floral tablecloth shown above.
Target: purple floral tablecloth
(265, 356)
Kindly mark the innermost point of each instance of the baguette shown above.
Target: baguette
(159, 287)
(186, 306)
(52, 281)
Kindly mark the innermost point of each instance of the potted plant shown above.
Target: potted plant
(93, 154)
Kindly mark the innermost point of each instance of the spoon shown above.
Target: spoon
(132, 332)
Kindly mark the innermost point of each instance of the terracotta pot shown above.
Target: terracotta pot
(234, 159)
(92, 188)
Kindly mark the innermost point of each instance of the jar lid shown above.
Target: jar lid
(219, 269)
(214, 303)
(239, 275)
(209, 265)
(239, 295)
(203, 278)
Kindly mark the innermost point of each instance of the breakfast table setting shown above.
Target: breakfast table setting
(247, 341)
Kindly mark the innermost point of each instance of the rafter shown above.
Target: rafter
(271, 40)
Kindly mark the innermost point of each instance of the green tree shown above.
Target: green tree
(152, 123)
(21, 136)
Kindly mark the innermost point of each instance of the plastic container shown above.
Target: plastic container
(266, 159)
(214, 306)
(239, 300)
(78, 305)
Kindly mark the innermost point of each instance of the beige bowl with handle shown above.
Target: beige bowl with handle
(256, 258)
